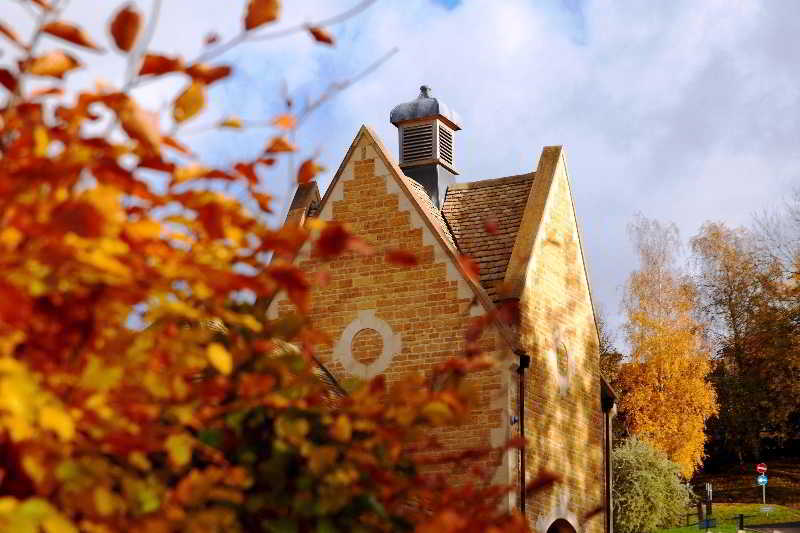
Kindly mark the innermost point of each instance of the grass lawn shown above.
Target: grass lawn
(725, 514)
(738, 485)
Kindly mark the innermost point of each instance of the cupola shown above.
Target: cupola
(426, 132)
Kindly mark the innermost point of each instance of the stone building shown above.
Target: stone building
(392, 320)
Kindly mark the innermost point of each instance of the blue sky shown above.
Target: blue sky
(682, 110)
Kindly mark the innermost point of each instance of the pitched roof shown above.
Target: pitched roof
(430, 210)
(467, 208)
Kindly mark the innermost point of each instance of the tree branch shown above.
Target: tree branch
(249, 36)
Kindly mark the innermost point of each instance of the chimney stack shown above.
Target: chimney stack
(426, 132)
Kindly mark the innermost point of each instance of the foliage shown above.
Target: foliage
(647, 491)
(610, 357)
(666, 398)
(752, 301)
(135, 394)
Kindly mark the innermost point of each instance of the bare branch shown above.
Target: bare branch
(338, 87)
(135, 58)
(331, 21)
(334, 89)
(249, 36)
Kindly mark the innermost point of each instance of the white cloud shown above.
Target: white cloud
(682, 110)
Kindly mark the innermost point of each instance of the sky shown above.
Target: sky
(684, 111)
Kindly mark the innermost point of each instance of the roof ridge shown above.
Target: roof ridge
(492, 181)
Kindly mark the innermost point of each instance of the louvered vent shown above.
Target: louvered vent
(446, 145)
(417, 143)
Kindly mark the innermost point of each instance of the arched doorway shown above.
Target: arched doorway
(561, 526)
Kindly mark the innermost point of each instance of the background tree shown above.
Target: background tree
(648, 494)
(666, 398)
(137, 391)
(745, 279)
(610, 357)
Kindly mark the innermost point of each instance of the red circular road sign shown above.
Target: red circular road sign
(761, 468)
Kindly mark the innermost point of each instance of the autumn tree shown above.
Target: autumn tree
(666, 398)
(749, 296)
(610, 356)
(138, 391)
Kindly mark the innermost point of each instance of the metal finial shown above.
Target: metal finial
(424, 92)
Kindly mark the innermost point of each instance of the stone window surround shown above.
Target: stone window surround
(343, 351)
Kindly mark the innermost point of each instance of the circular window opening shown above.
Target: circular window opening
(367, 346)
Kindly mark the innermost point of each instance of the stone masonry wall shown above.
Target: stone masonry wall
(564, 418)
(389, 319)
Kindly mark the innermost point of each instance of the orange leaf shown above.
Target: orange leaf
(248, 171)
(342, 429)
(12, 36)
(53, 64)
(210, 215)
(231, 122)
(157, 64)
(8, 80)
(46, 91)
(307, 171)
(292, 279)
(190, 102)
(335, 239)
(279, 144)
(321, 35)
(261, 12)
(208, 74)
(543, 481)
(125, 27)
(402, 257)
(175, 145)
(139, 124)
(471, 268)
(70, 33)
(284, 122)
(44, 4)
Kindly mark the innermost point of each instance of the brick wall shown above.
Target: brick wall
(564, 417)
(427, 306)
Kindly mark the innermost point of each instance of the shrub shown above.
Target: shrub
(647, 490)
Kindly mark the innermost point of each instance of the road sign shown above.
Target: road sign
(761, 480)
(761, 468)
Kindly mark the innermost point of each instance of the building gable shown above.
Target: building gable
(547, 272)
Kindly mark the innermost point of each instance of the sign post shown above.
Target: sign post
(762, 480)
(761, 468)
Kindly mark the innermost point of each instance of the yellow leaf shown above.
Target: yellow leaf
(179, 449)
(437, 412)
(40, 141)
(342, 430)
(34, 468)
(55, 523)
(279, 144)
(143, 229)
(231, 122)
(284, 122)
(260, 12)
(189, 173)
(53, 64)
(10, 237)
(57, 420)
(103, 501)
(190, 102)
(220, 358)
